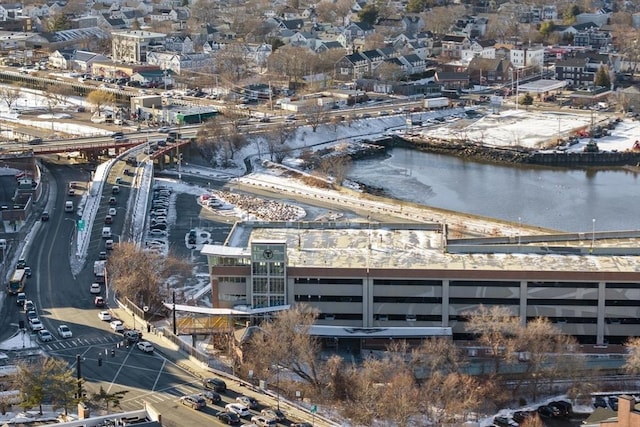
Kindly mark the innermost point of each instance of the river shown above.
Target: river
(561, 199)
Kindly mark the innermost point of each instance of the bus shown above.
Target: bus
(16, 284)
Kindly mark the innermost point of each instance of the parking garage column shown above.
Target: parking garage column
(445, 303)
(523, 302)
(602, 293)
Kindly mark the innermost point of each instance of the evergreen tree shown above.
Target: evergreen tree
(368, 14)
(602, 77)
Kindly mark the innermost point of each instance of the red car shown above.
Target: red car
(99, 301)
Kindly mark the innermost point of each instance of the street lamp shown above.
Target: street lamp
(593, 233)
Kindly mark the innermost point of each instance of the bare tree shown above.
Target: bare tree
(277, 138)
(285, 341)
(141, 276)
(632, 365)
(498, 329)
(9, 95)
(335, 166)
(316, 115)
(231, 62)
(56, 95)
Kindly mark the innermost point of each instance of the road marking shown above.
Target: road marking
(155, 383)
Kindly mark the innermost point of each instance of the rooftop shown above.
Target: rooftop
(422, 246)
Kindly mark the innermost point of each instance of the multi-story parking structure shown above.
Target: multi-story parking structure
(371, 281)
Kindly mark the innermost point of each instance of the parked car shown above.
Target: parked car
(20, 300)
(228, 418)
(45, 216)
(117, 325)
(238, 409)
(193, 401)
(215, 384)
(145, 346)
(64, 331)
(262, 421)
(274, 413)
(157, 233)
(599, 402)
(211, 397)
(546, 411)
(104, 316)
(248, 401)
(565, 408)
(29, 306)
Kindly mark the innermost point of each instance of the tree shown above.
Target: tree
(231, 62)
(58, 22)
(100, 98)
(496, 328)
(602, 77)
(440, 19)
(526, 99)
(286, 342)
(102, 397)
(546, 28)
(368, 14)
(632, 365)
(277, 138)
(140, 276)
(50, 381)
(316, 115)
(335, 166)
(417, 6)
(570, 13)
(388, 71)
(9, 95)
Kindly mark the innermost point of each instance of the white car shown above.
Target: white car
(238, 409)
(64, 331)
(145, 346)
(117, 326)
(104, 315)
(113, 211)
(35, 324)
(95, 288)
(44, 335)
(157, 233)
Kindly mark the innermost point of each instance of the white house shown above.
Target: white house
(529, 56)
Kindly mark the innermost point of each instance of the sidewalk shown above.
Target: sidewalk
(173, 353)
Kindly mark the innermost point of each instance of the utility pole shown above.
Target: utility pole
(174, 313)
(79, 376)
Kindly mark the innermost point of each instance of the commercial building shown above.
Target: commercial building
(380, 280)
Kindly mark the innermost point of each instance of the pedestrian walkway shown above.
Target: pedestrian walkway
(60, 344)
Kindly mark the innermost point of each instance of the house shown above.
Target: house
(453, 45)
(413, 64)
(73, 59)
(323, 46)
(303, 39)
(179, 62)
(574, 71)
(10, 11)
(479, 48)
(452, 80)
(412, 24)
(163, 14)
(351, 67)
(527, 56)
(357, 30)
(593, 38)
(133, 46)
(485, 71)
(471, 26)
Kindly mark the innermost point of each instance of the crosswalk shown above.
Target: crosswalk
(60, 344)
(171, 394)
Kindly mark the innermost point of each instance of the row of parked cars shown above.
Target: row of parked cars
(557, 409)
(234, 412)
(158, 223)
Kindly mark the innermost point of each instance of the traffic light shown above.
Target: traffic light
(113, 352)
(99, 360)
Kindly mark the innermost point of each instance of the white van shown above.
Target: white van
(106, 232)
(68, 206)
